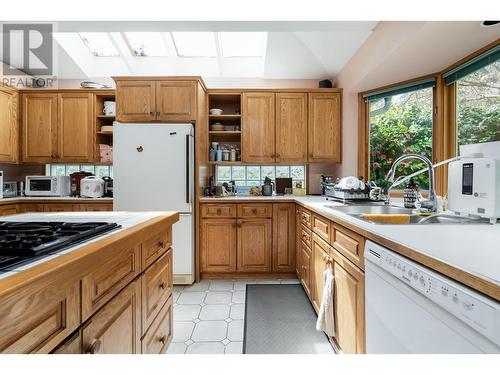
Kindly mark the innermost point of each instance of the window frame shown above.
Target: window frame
(444, 122)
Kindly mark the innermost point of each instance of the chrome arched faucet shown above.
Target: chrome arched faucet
(429, 205)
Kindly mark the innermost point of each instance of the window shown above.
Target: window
(195, 44)
(146, 44)
(67, 169)
(400, 122)
(254, 175)
(99, 44)
(478, 106)
(243, 44)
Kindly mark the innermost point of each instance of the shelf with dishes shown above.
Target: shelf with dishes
(105, 109)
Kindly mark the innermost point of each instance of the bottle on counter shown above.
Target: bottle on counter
(410, 194)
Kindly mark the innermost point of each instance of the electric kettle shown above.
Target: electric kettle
(268, 187)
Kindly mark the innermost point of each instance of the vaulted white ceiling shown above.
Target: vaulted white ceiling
(295, 50)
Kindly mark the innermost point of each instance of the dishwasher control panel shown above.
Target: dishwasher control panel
(476, 310)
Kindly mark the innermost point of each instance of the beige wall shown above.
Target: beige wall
(398, 51)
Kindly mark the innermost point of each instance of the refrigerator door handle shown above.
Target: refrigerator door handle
(188, 182)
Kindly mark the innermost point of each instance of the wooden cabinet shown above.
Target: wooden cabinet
(321, 261)
(39, 130)
(305, 261)
(75, 133)
(349, 244)
(218, 245)
(291, 127)
(8, 209)
(9, 125)
(321, 227)
(176, 101)
(258, 127)
(283, 256)
(58, 128)
(324, 127)
(159, 335)
(155, 100)
(36, 318)
(136, 101)
(30, 207)
(114, 329)
(218, 210)
(254, 245)
(349, 305)
(73, 345)
(96, 207)
(61, 207)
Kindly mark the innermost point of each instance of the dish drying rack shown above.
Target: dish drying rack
(335, 192)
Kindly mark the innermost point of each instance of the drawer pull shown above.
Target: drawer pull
(162, 244)
(163, 339)
(163, 286)
(219, 211)
(94, 347)
(254, 211)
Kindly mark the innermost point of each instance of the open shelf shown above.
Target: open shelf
(106, 117)
(105, 133)
(224, 162)
(223, 132)
(231, 117)
(103, 137)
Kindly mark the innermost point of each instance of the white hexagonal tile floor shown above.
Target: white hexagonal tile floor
(209, 316)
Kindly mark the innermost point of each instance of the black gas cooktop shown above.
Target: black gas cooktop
(24, 242)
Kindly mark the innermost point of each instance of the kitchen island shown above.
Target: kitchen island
(110, 294)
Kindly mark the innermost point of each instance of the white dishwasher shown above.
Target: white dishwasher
(412, 309)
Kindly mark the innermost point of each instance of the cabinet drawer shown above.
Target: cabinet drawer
(155, 246)
(8, 209)
(218, 210)
(305, 236)
(159, 335)
(113, 272)
(255, 210)
(156, 284)
(349, 244)
(321, 227)
(38, 317)
(306, 218)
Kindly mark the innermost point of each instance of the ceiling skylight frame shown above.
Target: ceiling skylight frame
(131, 48)
(86, 39)
(178, 46)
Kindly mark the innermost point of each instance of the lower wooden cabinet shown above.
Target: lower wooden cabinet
(305, 262)
(160, 333)
(73, 345)
(284, 237)
(321, 261)
(349, 305)
(70, 206)
(8, 209)
(218, 245)
(254, 245)
(114, 329)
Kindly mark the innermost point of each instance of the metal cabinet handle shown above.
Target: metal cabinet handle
(219, 211)
(254, 211)
(94, 347)
(151, 113)
(163, 339)
(163, 286)
(162, 243)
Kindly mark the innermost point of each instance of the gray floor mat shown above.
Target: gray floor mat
(279, 319)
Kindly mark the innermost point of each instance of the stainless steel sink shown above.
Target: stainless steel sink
(358, 211)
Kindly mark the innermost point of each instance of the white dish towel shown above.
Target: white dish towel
(326, 320)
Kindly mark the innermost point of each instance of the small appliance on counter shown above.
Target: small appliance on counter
(76, 179)
(47, 186)
(474, 187)
(283, 185)
(1, 184)
(268, 187)
(92, 187)
(10, 189)
(108, 186)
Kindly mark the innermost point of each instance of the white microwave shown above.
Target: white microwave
(47, 186)
(474, 187)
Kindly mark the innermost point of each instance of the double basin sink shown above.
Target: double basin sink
(359, 210)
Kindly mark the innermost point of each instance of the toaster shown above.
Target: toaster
(92, 187)
(474, 187)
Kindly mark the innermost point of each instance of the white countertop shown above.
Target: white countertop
(125, 219)
(473, 248)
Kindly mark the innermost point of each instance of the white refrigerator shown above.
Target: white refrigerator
(153, 170)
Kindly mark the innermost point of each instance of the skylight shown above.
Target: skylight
(243, 44)
(99, 44)
(195, 44)
(146, 44)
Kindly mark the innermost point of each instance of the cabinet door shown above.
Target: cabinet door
(73, 345)
(305, 268)
(349, 299)
(159, 335)
(30, 207)
(8, 209)
(115, 329)
(218, 245)
(96, 206)
(39, 128)
(61, 207)
(291, 128)
(320, 254)
(284, 237)
(176, 101)
(76, 136)
(9, 141)
(135, 101)
(258, 128)
(254, 245)
(324, 128)
(298, 262)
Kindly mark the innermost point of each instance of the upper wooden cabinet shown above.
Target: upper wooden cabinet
(58, 128)
(291, 127)
(135, 101)
(324, 128)
(149, 100)
(39, 127)
(257, 127)
(9, 125)
(75, 128)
